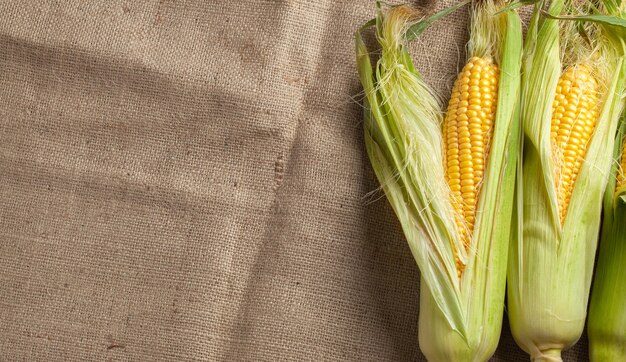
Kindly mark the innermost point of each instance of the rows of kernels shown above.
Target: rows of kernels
(467, 133)
(575, 112)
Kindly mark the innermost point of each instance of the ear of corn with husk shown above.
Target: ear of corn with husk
(450, 181)
(607, 308)
(573, 76)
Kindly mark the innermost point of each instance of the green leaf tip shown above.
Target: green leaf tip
(418, 28)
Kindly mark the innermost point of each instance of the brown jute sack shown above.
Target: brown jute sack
(187, 180)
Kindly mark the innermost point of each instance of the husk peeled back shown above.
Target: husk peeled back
(550, 265)
(460, 318)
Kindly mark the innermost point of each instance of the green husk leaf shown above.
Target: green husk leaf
(616, 23)
(368, 24)
(607, 314)
(418, 28)
(600, 19)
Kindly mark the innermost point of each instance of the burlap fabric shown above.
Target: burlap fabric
(187, 180)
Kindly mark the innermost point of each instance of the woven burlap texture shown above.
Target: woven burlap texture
(187, 180)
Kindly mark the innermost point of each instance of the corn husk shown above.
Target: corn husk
(460, 316)
(551, 263)
(607, 308)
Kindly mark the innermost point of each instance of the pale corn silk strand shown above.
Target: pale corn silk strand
(574, 116)
(467, 131)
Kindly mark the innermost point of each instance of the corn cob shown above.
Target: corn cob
(574, 116)
(455, 214)
(607, 309)
(467, 133)
(571, 101)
